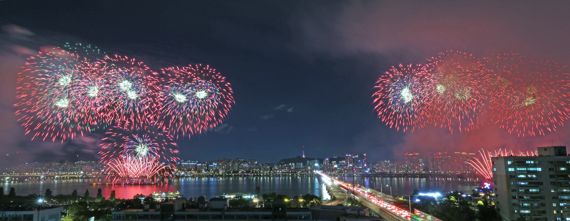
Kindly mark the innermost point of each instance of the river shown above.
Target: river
(215, 186)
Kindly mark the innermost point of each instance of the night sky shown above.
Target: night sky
(302, 71)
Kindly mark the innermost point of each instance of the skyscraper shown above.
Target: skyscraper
(534, 188)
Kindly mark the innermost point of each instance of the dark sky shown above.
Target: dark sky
(302, 71)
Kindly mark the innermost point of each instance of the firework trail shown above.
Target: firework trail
(531, 98)
(457, 93)
(399, 96)
(135, 170)
(194, 99)
(45, 105)
(483, 164)
(138, 156)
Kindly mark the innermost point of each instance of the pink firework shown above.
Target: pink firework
(194, 98)
(483, 165)
(530, 98)
(91, 93)
(458, 90)
(124, 153)
(45, 105)
(399, 96)
(135, 170)
(132, 90)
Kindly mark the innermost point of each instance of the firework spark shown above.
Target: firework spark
(138, 156)
(45, 105)
(457, 93)
(135, 170)
(194, 98)
(483, 164)
(132, 90)
(87, 51)
(531, 97)
(399, 96)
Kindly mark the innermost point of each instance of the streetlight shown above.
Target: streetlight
(40, 201)
(387, 185)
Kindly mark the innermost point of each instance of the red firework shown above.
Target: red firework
(399, 96)
(91, 93)
(138, 156)
(194, 98)
(457, 93)
(45, 105)
(530, 98)
(132, 90)
(483, 165)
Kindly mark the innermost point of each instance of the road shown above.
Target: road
(379, 203)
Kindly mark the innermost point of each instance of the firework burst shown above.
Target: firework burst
(91, 94)
(194, 98)
(531, 97)
(457, 93)
(483, 164)
(138, 156)
(132, 89)
(45, 105)
(399, 96)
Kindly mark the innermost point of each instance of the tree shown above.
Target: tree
(12, 192)
(48, 193)
(487, 212)
(74, 194)
(201, 202)
(1, 191)
(99, 194)
(86, 194)
(112, 197)
(455, 208)
(311, 200)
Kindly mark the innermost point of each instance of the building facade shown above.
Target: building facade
(534, 188)
(38, 214)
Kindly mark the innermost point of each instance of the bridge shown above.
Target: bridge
(380, 203)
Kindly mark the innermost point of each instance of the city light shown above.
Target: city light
(434, 195)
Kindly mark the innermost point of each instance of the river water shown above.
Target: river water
(215, 186)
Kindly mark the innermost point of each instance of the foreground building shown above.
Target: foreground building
(534, 188)
(37, 214)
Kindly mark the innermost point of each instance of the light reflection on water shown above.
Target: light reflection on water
(188, 187)
(406, 185)
(215, 186)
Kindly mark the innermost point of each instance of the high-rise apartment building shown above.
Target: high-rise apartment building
(534, 188)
